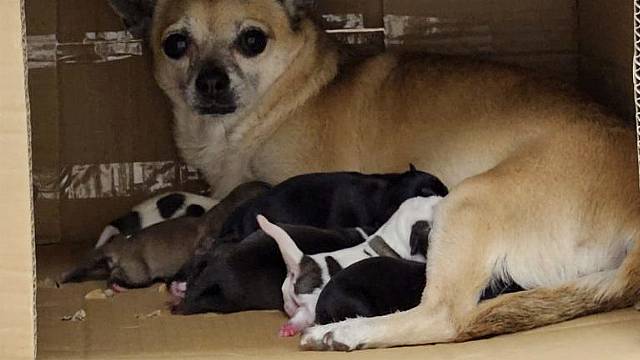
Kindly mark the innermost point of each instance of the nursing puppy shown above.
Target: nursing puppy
(381, 286)
(544, 182)
(157, 253)
(404, 236)
(334, 200)
(157, 209)
(248, 275)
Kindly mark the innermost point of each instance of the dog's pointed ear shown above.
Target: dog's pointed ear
(297, 9)
(412, 168)
(136, 15)
(419, 238)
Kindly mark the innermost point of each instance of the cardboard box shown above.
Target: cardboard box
(90, 87)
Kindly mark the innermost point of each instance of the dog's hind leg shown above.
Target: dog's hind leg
(583, 260)
(598, 292)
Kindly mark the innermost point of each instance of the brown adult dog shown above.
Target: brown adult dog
(545, 185)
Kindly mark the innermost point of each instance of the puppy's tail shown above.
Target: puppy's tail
(598, 292)
(94, 266)
(290, 251)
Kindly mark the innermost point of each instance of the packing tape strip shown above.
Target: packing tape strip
(97, 181)
(439, 34)
(45, 51)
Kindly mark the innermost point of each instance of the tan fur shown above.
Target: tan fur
(544, 184)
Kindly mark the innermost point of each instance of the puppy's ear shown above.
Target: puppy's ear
(291, 254)
(297, 9)
(419, 238)
(412, 168)
(136, 14)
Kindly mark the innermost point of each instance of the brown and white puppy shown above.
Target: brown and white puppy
(154, 210)
(157, 253)
(544, 184)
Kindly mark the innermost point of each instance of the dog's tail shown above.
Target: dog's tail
(94, 266)
(291, 254)
(598, 292)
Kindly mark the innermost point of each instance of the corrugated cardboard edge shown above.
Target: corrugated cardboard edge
(17, 271)
(636, 70)
(32, 227)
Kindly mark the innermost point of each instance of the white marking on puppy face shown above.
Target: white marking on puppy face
(108, 232)
(397, 230)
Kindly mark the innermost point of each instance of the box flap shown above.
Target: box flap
(17, 339)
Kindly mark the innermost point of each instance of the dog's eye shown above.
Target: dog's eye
(175, 45)
(252, 42)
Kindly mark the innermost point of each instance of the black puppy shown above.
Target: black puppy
(380, 286)
(334, 200)
(248, 275)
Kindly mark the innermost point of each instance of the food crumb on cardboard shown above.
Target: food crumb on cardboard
(162, 288)
(149, 315)
(99, 294)
(96, 294)
(79, 315)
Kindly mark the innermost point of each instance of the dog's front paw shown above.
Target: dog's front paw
(335, 337)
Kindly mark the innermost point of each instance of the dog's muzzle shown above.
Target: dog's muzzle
(213, 88)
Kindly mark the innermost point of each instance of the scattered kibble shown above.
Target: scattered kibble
(149, 315)
(97, 294)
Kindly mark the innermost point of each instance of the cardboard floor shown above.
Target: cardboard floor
(137, 325)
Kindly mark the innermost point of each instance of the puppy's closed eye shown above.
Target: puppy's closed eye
(426, 192)
(211, 291)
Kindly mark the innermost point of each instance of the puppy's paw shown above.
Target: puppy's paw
(342, 336)
(288, 330)
(117, 288)
(178, 289)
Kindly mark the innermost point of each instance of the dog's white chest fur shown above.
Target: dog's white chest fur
(204, 143)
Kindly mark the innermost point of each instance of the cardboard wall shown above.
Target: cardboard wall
(16, 233)
(102, 129)
(606, 52)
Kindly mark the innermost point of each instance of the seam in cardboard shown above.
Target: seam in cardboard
(636, 73)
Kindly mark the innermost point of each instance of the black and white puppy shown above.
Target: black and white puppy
(334, 200)
(157, 209)
(404, 236)
(380, 286)
(248, 275)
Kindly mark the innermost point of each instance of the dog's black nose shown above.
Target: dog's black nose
(212, 82)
